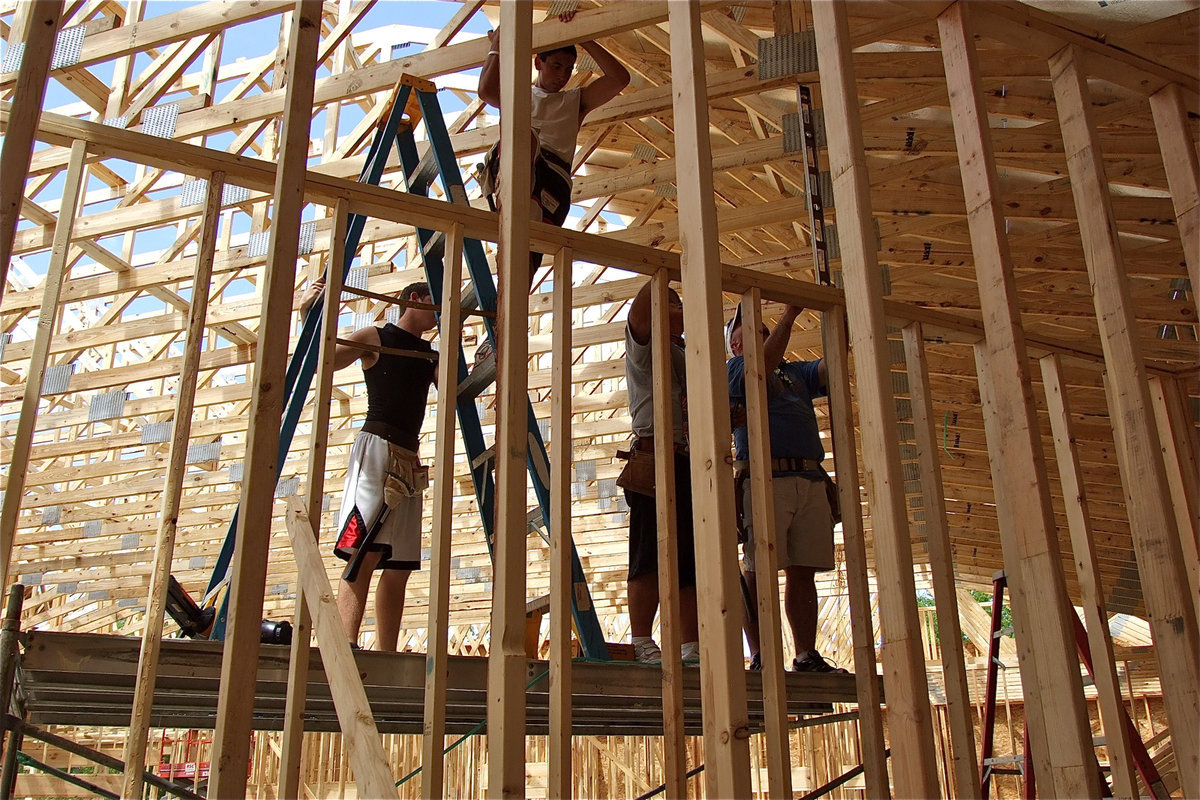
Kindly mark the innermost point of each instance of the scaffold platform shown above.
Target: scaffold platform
(88, 679)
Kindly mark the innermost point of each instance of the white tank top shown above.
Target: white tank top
(555, 119)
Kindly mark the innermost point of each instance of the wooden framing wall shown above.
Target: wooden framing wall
(985, 253)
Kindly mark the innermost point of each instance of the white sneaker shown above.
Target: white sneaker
(689, 652)
(646, 652)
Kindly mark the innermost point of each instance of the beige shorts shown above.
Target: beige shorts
(803, 524)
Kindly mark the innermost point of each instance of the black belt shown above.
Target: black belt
(392, 434)
(786, 465)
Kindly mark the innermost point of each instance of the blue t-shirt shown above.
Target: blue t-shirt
(792, 420)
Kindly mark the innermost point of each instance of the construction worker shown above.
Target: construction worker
(379, 523)
(556, 117)
(642, 583)
(803, 518)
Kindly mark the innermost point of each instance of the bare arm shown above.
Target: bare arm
(639, 316)
(346, 354)
(608, 85)
(777, 342)
(489, 76)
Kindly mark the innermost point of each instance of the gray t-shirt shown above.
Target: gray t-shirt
(639, 378)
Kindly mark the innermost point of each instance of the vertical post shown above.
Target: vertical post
(1091, 593)
(963, 766)
(164, 548)
(506, 660)
(297, 687)
(1178, 436)
(1058, 724)
(766, 544)
(1155, 535)
(8, 672)
(437, 659)
(722, 675)
(674, 757)
(560, 531)
(914, 766)
(845, 459)
(231, 741)
(29, 92)
(47, 318)
(1179, 158)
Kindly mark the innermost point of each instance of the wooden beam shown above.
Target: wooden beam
(1178, 435)
(766, 546)
(1055, 708)
(836, 353)
(1176, 139)
(560, 749)
(726, 752)
(914, 769)
(297, 689)
(17, 150)
(249, 566)
(665, 510)
(1104, 669)
(38, 357)
(506, 660)
(437, 659)
(198, 20)
(164, 548)
(963, 766)
(1155, 534)
(372, 772)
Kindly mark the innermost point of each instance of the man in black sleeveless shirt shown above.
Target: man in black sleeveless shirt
(384, 478)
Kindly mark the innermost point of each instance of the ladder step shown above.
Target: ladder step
(423, 176)
(483, 376)
(436, 246)
(484, 457)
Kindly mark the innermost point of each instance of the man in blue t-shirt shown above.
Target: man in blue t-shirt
(803, 520)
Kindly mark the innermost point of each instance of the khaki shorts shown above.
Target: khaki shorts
(803, 524)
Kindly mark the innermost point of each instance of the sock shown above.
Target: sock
(642, 639)
(689, 650)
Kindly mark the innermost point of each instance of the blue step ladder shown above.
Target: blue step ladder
(415, 100)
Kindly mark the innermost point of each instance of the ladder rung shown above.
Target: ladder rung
(436, 246)
(484, 457)
(481, 377)
(422, 177)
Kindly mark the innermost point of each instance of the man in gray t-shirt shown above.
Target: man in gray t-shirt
(643, 520)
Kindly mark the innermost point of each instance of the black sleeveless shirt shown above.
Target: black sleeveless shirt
(397, 388)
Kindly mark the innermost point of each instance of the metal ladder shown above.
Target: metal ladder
(990, 766)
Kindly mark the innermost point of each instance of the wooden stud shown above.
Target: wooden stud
(1155, 534)
(723, 682)
(437, 659)
(30, 92)
(297, 689)
(559, 757)
(674, 759)
(963, 766)
(1104, 669)
(766, 548)
(845, 459)
(1178, 435)
(249, 568)
(371, 767)
(506, 660)
(47, 319)
(1175, 140)
(164, 548)
(914, 768)
(1058, 725)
